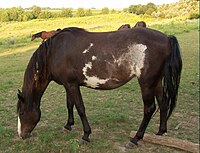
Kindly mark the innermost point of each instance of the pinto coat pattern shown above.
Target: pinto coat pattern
(102, 60)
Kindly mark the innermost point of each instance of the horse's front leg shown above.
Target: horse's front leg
(76, 98)
(70, 107)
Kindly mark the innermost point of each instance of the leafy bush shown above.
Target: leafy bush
(105, 10)
(66, 12)
(194, 16)
(80, 12)
(45, 15)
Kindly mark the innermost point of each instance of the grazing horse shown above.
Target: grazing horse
(140, 24)
(102, 60)
(44, 35)
(124, 27)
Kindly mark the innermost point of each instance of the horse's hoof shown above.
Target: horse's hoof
(66, 129)
(84, 142)
(131, 145)
(161, 133)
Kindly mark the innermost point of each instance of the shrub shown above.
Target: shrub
(80, 12)
(194, 16)
(66, 12)
(105, 10)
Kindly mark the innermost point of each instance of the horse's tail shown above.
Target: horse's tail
(172, 75)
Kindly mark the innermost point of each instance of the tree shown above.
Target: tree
(14, 13)
(150, 8)
(66, 12)
(105, 10)
(140, 9)
(126, 10)
(113, 11)
(27, 16)
(4, 16)
(45, 15)
(36, 10)
(80, 12)
(149, 11)
(88, 12)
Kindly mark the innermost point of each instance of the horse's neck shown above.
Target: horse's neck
(36, 75)
(39, 34)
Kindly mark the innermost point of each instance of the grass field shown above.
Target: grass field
(112, 114)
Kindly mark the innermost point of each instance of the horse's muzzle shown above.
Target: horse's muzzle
(25, 135)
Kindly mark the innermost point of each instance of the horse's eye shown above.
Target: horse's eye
(21, 112)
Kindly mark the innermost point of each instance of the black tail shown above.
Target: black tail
(172, 75)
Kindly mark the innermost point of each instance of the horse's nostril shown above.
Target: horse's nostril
(25, 135)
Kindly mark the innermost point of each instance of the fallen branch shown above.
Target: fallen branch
(170, 142)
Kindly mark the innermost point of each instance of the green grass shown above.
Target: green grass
(112, 114)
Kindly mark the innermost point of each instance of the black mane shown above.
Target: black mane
(36, 68)
(73, 29)
(38, 34)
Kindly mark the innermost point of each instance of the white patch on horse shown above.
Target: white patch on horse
(87, 49)
(19, 126)
(135, 57)
(94, 58)
(92, 81)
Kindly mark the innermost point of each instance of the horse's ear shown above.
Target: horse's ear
(20, 95)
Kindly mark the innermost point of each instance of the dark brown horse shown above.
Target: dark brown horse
(74, 57)
(140, 24)
(124, 27)
(44, 35)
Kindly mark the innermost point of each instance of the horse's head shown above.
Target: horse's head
(28, 116)
(33, 37)
(124, 27)
(140, 24)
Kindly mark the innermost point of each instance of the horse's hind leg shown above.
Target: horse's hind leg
(163, 108)
(70, 107)
(149, 108)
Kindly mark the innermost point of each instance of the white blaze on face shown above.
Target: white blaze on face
(135, 57)
(87, 49)
(19, 126)
(92, 81)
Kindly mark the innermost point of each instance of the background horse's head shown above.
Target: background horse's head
(124, 27)
(33, 37)
(140, 24)
(37, 35)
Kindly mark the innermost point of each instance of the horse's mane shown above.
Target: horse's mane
(37, 67)
(69, 29)
(73, 29)
(38, 34)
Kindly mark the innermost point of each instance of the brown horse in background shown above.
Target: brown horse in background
(140, 24)
(44, 35)
(125, 27)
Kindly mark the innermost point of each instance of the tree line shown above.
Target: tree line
(186, 8)
(36, 12)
